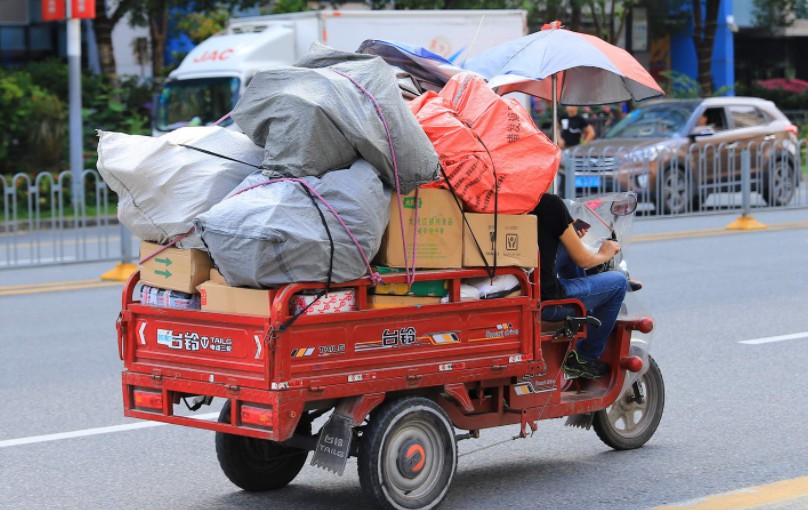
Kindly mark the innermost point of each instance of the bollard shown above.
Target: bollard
(745, 221)
(569, 180)
(123, 270)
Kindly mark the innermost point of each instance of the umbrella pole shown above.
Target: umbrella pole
(554, 186)
(555, 109)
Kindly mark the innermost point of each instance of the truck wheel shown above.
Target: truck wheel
(630, 422)
(407, 455)
(258, 464)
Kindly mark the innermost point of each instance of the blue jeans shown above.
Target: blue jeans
(602, 294)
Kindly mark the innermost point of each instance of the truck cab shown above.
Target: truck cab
(209, 81)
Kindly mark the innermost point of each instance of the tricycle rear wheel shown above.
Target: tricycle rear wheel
(632, 419)
(407, 455)
(258, 464)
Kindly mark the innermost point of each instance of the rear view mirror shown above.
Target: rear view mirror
(624, 206)
(702, 131)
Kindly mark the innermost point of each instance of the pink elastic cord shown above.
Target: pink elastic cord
(223, 118)
(375, 278)
(410, 271)
(169, 245)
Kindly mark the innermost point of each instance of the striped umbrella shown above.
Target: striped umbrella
(565, 67)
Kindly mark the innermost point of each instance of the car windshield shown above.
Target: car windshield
(199, 102)
(654, 121)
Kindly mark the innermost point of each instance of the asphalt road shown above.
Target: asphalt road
(735, 413)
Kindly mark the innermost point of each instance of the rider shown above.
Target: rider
(602, 293)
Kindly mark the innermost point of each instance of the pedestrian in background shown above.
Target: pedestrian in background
(575, 129)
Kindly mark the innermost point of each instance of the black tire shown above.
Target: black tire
(780, 183)
(258, 464)
(407, 455)
(626, 424)
(675, 195)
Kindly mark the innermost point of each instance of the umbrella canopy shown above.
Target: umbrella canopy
(429, 70)
(589, 70)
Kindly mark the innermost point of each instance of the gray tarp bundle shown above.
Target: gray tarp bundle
(311, 119)
(272, 235)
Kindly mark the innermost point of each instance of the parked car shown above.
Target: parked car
(676, 152)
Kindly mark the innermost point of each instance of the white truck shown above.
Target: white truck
(209, 81)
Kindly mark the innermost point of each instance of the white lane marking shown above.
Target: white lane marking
(93, 432)
(770, 339)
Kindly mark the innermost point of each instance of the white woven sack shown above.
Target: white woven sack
(162, 186)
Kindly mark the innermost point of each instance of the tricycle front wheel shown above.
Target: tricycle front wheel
(258, 464)
(634, 417)
(407, 455)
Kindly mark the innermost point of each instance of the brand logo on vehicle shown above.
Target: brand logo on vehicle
(212, 56)
(504, 329)
(192, 341)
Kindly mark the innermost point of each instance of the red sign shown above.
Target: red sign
(83, 9)
(54, 10)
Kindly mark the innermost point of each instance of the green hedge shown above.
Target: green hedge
(34, 135)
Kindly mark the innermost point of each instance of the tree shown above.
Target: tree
(778, 14)
(153, 14)
(705, 24)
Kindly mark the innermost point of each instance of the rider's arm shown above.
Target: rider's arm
(581, 255)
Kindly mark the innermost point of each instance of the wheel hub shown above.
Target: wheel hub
(411, 459)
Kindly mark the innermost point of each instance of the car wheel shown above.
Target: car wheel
(676, 195)
(779, 183)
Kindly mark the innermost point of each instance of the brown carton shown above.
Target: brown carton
(173, 268)
(516, 244)
(380, 301)
(220, 297)
(439, 228)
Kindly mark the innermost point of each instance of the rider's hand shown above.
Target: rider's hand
(609, 248)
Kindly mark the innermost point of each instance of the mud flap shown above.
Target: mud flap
(334, 444)
(583, 421)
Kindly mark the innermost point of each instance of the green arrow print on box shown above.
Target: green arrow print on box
(165, 273)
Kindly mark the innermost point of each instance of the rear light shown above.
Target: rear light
(148, 399)
(258, 416)
(794, 130)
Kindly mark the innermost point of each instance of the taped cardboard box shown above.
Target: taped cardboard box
(439, 228)
(220, 297)
(173, 268)
(376, 301)
(516, 243)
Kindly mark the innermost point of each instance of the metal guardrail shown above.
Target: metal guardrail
(701, 179)
(41, 224)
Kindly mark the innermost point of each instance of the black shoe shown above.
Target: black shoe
(575, 367)
(634, 285)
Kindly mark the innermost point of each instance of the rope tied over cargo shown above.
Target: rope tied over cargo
(409, 269)
(375, 278)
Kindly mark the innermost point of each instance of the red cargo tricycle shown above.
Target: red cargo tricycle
(393, 386)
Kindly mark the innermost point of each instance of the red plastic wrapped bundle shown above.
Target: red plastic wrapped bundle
(482, 138)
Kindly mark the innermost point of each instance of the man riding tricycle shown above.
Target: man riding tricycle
(396, 387)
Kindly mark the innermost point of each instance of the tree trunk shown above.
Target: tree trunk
(704, 28)
(103, 25)
(158, 30)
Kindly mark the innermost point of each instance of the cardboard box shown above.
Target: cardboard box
(216, 276)
(343, 300)
(425, 288)
(376, 301)
(173, 268)
(439, 229)
(220, 297)
(516, 244)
